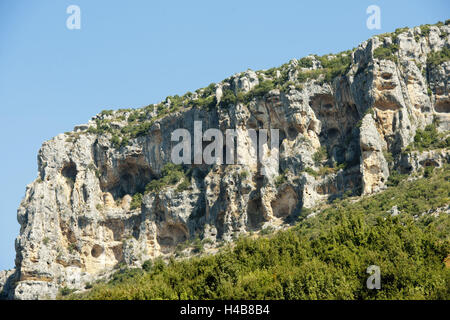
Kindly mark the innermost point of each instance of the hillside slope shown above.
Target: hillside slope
(322, 257)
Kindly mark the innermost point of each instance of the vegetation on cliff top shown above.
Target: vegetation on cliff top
(323, 257)
(140, 121)
(436, 58)
(387, 53)
(328, 67)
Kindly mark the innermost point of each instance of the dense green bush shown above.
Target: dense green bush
(332, 67)
(64, 291)
(320, 155)
(228, 98)
(136, 201)
(244, 174)
(208, 103)
(309, 74)
(336, 66)
(107, 112)
(171, 175)
(260, 90)
(395, 178)
(386, 53)
(436, 58)
(282, 178)
(425, 30)
(323, 257)
(209, 90)
(198, 246)
(115, 140)
(311, 171)
(305, 63)
(147, 265)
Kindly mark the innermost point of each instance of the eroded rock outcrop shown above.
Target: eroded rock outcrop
(81, 217)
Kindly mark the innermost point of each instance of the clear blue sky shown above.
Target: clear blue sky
(133, 53)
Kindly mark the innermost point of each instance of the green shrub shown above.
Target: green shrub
(267, 230)
(311, 171)
(125, 274)
(260, 90)
(335, 66)
(286, 85)
(282, 178)
(72, 247)
(107, 112)
(228, 98)
(428, 139)
(324, 170)
(332, 67)
(304, 212)
(155, 185)
(65, 291)
(115, 140)
(310, 74)
(159, 265)
(386, 53)
(132, 117)
(305, 63)
(400, 30)
(208, 103)
(388, 156)
(244, 174)
(198, 246)
(395, 178)
(147, 265)
(136, 201)
(425, 30)
(436, 58)
(184, 185)
(270, 73)
(428, 171)
(320, 155)
(209, 90)
(171, 175)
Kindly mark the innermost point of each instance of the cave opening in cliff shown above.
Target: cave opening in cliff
(96, 250)
(171, 234)
(442, 107)
(285, 203)
(255, 213)
(69, 171)
(130, 177)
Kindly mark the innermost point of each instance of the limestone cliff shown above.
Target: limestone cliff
(344, 122)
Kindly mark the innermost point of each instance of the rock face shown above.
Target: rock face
(374, 167)
(79, 218)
